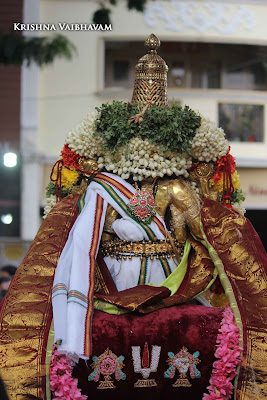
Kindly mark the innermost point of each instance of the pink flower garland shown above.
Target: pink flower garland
(228, 353)
(62, 384)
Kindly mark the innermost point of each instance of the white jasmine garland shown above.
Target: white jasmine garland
(143, 159)
(209, 142)
(50, 202)
(82, 139)
(239, 207)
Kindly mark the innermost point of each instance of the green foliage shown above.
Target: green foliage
(14, 49)
(237, 196)
(138, 5)
(101, 16)
(113, 123)
(173, 128)
(51, 190)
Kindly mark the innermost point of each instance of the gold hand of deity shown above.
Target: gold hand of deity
(185, 207)
(178, 197)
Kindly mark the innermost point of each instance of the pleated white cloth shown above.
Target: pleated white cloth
(74, 278)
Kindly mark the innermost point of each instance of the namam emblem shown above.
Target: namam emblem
(143, 367)
(107, 364)
(183, 361)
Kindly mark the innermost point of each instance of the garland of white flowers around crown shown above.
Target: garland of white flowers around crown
(165, 143)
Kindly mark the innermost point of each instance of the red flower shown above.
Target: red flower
(222, 163)
(70, 158)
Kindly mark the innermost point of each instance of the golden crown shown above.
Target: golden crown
(150, 85)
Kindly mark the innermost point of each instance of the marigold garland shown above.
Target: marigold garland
(235, 182)
(69, 176)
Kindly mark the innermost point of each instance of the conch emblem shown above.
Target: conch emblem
(145, 369)
(183, 361)
(142, 206)
(107, 364)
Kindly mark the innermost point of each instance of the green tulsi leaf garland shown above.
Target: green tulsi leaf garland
(173, 127)
(113, 124)
(237, 196)
(51, 190)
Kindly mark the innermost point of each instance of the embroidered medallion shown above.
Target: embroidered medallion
(142, 206)
(183, 361)
(107, 364)
(145, 369)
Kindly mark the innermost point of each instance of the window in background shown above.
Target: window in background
(192, 65)
(242, 122)
(178, 74)
(121, 70)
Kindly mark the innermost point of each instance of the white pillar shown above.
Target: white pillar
(31, 180)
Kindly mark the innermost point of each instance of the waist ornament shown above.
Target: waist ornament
(152, 249)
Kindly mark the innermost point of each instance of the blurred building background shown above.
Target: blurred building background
(217, 57)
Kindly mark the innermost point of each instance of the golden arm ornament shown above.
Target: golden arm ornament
(178, 224)
(185, 205)
(202, 173)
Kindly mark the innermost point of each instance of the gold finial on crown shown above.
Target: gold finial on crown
(150, 85)
(152, 42)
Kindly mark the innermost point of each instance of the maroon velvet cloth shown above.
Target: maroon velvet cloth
(195, 327)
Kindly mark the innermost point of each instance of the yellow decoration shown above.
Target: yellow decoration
(69, 176)
(235, 181)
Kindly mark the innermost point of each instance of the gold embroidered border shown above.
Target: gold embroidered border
(26, 310)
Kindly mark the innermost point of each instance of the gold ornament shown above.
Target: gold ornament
(90, 166)
(145, 249)
(201, 173)
(150, 86)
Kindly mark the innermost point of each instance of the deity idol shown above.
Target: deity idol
(145, 277)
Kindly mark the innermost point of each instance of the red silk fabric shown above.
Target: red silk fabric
(195, 327)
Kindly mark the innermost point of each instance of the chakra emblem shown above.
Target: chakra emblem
(183, 361)
(107, 364)
(145, 369)
(142, 206)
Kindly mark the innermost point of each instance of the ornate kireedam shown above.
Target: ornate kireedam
(150, 86)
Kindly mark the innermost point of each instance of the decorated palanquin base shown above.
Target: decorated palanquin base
(190, 327)
(179, 238)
